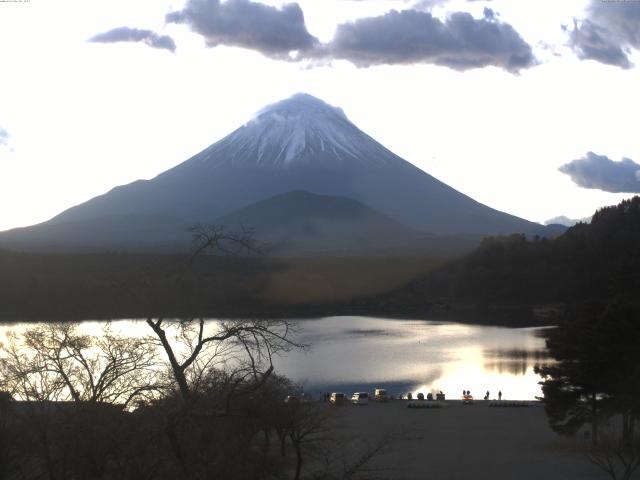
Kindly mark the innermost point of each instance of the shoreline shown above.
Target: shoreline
(520, 316)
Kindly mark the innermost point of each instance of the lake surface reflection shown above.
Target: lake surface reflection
(359, 353)
(350, 354)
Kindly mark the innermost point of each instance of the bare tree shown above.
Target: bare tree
(308, 424)
(68, 381)
(214, 364)
(56, 362)
(244, 348)
(6, 450)
(616, 455)
(210, 237)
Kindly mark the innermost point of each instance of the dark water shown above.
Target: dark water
(350, 354)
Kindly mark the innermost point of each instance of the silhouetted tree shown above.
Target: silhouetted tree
(573, 387)
(618, 459)
(596, 380)
(245, 348)
(216, 239)
(73, 389)
(6, 450)
(307, 423)
(56, 362)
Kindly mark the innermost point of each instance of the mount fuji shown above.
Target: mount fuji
(300, 144)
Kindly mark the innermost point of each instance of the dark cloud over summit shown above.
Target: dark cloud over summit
(269, 30)
(602, 173)
(460, 42)
(126, 34)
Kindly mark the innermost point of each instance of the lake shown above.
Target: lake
(350, 354)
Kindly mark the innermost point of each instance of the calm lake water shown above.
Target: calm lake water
(350, 354)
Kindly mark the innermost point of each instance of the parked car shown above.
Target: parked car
(337, 398)
(360, 398)
(291, 399)
(381, 395)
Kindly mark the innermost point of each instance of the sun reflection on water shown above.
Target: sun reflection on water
(418, 356)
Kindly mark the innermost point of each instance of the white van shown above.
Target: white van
(360, 398)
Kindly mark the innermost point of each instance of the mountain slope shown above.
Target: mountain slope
(301, 221)
(298, 144)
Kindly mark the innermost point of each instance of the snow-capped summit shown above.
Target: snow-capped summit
(298, 144)
(300, 129)
(301, 105)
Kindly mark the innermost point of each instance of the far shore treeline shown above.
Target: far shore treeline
(590, 262)
(596, 262)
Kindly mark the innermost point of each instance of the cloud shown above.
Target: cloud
(592, 42)
(126, 34)
(4, 137)
(608, 33)
(269, 30)
(459, 42)
(489, 14)
(600, 172)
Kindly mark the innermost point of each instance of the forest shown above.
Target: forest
(590, 262)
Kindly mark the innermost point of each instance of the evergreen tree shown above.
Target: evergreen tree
(597, 370)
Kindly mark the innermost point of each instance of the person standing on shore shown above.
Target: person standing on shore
(500, 395)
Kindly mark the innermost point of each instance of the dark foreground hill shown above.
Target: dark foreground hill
(590, 262)
(125, 285)
(303, 223)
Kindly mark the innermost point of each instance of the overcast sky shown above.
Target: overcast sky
(528, 106)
